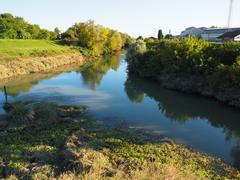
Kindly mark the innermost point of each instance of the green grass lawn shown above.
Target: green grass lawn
(18, 49)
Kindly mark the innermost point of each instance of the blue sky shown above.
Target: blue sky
(136, 17)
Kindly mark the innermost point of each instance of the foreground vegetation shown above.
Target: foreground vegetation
(48, 141)
(190, 65)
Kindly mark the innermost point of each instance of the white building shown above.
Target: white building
(193, 32)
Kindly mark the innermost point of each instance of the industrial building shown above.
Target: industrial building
(193, 32)
(230, 36)
(213, 34)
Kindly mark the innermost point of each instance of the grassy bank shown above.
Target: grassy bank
(191, 65)
(20, 49)
(20, 57)
(48, 141)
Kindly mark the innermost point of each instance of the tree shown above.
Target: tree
(44, 34)
(57, 33)
(99, 39)
(12, 27)
(140, 38)
(160, 34)
(33, 30)
(115, 42)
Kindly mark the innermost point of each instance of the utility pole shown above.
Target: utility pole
(230, 14)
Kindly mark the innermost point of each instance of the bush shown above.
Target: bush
(216, 64)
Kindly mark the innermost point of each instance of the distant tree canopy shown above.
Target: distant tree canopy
(150, 40)
(140, 38)
(168, 36)
(96, 38)
(12, 27)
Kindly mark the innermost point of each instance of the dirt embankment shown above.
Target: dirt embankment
(37, 64)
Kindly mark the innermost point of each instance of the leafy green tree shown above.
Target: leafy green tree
(97, 38)
(33, 30)
(44, 34)
(12, 27)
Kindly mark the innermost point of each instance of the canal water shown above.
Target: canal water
(115, 96)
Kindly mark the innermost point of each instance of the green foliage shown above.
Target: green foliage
(189, 55)
(136, 49)
(150, 40)
(216, 64)
(16, 28)
(97, 38)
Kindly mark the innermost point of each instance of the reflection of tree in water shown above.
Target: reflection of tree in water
(182, 107)
(134, 94)
(93, 74)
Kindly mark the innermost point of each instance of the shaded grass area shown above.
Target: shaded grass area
(19, 49)
(49, 141)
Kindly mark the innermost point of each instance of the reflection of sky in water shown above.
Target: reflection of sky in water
(194, 121)
(70, 95)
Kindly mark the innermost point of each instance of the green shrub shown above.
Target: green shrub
(216, 63)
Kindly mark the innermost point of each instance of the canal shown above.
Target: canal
(114, 96)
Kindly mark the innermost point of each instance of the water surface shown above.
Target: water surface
(114, 96)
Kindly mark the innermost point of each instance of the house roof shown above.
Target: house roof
(231, 34)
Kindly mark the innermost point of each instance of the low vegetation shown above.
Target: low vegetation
(49, 141)
(190, 65)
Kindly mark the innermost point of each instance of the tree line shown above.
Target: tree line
(12, 27)
(89, 35)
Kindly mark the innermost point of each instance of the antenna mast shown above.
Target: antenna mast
(230, 14)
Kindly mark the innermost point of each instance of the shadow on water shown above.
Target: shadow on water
(183, 108)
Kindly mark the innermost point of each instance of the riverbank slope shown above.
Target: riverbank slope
(44, 140)
(20, 57)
